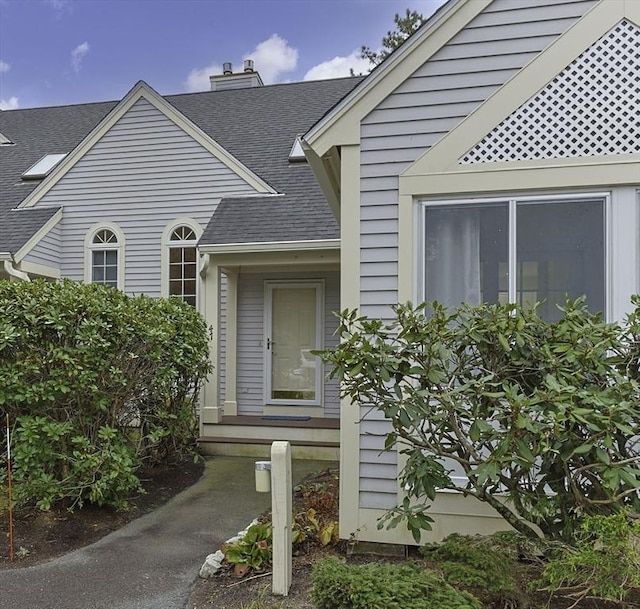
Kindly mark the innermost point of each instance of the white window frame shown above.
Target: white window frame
(269, 285)
(166, 244)
(90, 247)
(512, 201)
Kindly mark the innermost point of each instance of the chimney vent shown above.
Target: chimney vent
(240, 80)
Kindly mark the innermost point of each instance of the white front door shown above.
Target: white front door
(293, 329)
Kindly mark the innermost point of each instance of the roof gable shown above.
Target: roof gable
(342, 125)
(590, 108)
(539, 115)
(142, 91)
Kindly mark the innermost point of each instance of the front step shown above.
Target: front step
(310, 438)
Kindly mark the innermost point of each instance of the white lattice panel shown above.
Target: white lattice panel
(591, 108)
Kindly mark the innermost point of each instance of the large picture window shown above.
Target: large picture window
(521, 250)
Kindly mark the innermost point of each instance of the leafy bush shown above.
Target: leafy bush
(544, 414)
(116, 377)
(337, 585)
(604, 564)
(487, 566)
(54, 463)
(253, 551)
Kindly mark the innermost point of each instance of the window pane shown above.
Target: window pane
(175, 255)
(560, 253)
(190, 254)
(111, 257)
(175, 271)
(294, 336)
(111, 273)
(98, 274)
(466, 248)
(98, 258)
(190, 271)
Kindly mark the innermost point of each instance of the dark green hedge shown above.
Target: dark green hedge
(90, 374)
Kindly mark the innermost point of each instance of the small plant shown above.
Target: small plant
(487, 566)
(253, 552)
(310, 527)
(337, 585)
(605, 563)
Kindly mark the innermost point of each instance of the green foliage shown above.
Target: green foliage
(56, 463)
(253, 551)
(337, 585)
(115, 377)
(309, 526)
(316, 521)
(604, 564)
(406, 25)
(544, 414)
(481, 564)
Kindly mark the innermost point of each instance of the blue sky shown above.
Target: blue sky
(55, 52)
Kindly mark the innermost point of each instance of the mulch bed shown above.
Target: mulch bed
(40, 536)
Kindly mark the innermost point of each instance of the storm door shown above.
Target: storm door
(293, 329)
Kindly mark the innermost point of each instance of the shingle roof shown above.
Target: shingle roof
(36, 132)
(256, 125)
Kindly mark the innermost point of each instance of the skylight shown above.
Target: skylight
(43, 167)
(297, 154)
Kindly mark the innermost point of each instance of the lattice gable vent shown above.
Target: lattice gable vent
(591, 108)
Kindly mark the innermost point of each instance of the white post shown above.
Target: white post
(281, 515)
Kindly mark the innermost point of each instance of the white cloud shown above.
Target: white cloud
(198, 80)
(4, 66)
(9, 104)
(339, 66)
(78, 54)
(60, 7)
(273, 57)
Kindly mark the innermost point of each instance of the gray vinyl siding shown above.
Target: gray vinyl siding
(458, 78)
(141, 175)
(47, 251)
(251, 311)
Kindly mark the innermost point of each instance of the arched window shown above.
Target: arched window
(183, 264)
(105, 258)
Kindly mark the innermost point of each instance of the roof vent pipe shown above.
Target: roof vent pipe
(248, 65)
(227, 69)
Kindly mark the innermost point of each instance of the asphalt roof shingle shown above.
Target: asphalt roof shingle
(256, 125)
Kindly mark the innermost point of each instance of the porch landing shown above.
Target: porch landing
(310, 438)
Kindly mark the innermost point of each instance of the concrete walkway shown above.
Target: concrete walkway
(153, 562)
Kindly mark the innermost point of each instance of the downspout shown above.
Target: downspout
(12, 271)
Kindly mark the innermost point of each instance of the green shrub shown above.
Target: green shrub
(119, 376)
(54, 463)
(488, 566)
(541, 417)
(337, 585)
(605, 562)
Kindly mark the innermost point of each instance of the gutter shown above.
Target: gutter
(10, 268)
